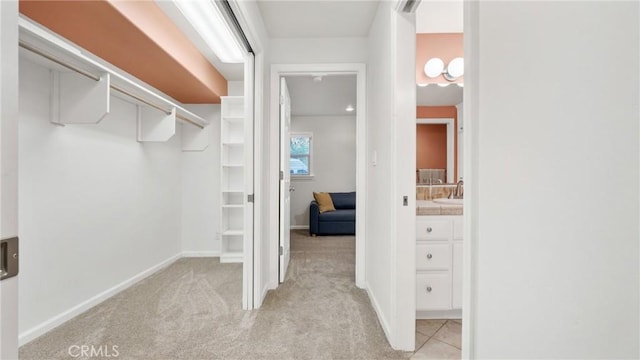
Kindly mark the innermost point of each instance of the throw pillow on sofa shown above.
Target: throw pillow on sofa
(325, 203)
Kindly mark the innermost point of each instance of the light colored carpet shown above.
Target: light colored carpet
(192, 310)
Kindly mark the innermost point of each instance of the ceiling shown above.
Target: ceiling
(434, 95)
(317, 18)
(439, 16)
(327, 97)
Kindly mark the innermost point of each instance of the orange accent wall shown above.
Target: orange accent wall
(431, 146)
(444, 46)
(137, 37)
(430, 112)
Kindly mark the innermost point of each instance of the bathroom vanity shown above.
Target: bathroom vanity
(439, 244)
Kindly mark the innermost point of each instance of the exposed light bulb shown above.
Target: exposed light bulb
(350, 108)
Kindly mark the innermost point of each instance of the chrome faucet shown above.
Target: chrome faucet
(457, 193)
(459, 189)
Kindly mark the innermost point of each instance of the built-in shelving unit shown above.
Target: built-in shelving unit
(232, 158)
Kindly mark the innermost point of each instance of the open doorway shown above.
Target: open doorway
(318, 167)
(355, 72)
(439, 186)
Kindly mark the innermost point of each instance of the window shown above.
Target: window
(300, 159)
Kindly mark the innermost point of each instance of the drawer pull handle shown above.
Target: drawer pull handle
(429, 256)
(429, 289)
(429, 229)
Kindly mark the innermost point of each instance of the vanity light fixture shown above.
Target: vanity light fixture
(349, 108)
(208, 21)
(435, 67)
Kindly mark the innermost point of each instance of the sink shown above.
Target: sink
(447, 201)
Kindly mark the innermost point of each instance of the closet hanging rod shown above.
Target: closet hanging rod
(97, 78)
(59, 62)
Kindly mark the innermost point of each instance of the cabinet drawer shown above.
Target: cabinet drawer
(458, 228)
(433, 256)
(434, 229)
(433, 292)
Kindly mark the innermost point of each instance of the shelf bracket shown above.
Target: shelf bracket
(155, 125)
(77, 99)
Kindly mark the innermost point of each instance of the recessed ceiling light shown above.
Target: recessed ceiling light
(443, 85)
(422, 85)
(460, 84)
(350, 108)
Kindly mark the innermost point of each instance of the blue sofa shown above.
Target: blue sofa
(339, 222)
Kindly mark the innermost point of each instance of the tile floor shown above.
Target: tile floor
(438, 339)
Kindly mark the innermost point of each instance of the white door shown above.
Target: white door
(9, 170)
(285, 177)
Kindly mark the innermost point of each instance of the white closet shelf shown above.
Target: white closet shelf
(233, 232)
(233, 165)
(231, 143)
(233, 206)
(58, 54)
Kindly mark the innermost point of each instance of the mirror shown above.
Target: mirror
(439, 130)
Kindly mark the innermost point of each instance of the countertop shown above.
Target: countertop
(428, 207)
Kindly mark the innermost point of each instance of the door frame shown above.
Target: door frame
(9, 167)
(277, 71)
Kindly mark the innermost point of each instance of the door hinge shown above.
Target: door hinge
(281, 175)
(281, 250)
(250, 198)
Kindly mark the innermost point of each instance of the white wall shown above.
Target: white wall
(390, 226)
(379, 110)
(334, 161)
(201, 190)
(96, 206)
(554, 179)
(318, 50)
(235, 88)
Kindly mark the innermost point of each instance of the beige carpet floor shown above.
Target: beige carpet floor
(192, 310)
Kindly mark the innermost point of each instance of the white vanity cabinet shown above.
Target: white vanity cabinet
(439, 266)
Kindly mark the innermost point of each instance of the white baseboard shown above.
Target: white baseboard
(201, 254)
(381, 318)
(444, 314)
(65, 316)
(299, 227)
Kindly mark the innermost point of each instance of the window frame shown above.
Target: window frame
(309, 135)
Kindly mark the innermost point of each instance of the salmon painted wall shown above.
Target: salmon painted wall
(137, 37)
(431, 112)
(431, 146)
(444, 46)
